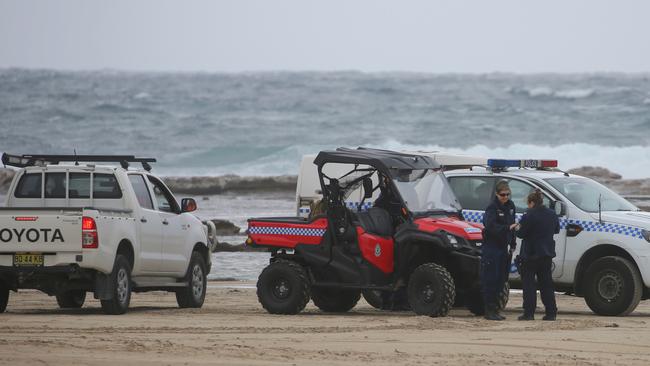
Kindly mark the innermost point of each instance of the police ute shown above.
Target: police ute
(603, 248)
(70, 227)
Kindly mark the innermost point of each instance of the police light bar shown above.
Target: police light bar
(505, 163)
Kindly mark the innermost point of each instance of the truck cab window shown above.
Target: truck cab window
(29, 186)
(141, 191)
(106, 186)
(165, 200)
(79, 185)
(520, 192)
(54, 185)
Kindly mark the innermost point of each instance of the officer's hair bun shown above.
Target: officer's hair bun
(536, 197)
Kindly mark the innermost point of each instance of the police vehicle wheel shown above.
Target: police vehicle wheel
(121, 282)
(4, 297)
(335, 300)
(612, 286)
(73, 299)
(283, 288)
(193, 295)
(431, 290)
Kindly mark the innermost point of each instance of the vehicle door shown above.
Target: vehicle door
(520, 191)
(174, 227)
(149, 224)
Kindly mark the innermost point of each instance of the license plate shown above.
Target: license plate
(28, 260)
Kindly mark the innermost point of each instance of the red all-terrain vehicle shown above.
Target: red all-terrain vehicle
(410, 250)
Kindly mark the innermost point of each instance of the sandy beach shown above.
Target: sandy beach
(233, 329)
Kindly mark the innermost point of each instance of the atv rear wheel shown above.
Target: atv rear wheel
(431, 290)
(73, 299)
(335, 300)
(283, 288)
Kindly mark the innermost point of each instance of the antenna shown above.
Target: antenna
(600, 217)
(76, 162)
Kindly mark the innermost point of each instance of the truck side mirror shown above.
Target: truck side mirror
(560, 208)
(367, 187)
(188, 205)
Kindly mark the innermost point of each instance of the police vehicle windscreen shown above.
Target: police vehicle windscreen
(585, 193)
(425, 190)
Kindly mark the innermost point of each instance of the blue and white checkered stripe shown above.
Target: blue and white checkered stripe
(350, 205)
(595, 226)
(270, 230)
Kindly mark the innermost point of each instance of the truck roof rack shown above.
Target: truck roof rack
(22, 161)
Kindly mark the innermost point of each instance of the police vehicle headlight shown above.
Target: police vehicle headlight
(646, 235)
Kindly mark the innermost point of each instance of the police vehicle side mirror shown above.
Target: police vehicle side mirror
(560, 208)
(188, 205)
(367, 187)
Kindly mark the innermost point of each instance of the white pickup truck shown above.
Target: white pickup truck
(69, 229)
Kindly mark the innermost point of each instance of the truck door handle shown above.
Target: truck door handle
(143, 220)
(165, 222)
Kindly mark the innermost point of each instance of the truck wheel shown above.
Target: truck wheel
(431, 290)
(335, 300)
(121, 283)
(612, 286)
(73, 299)
(282, 288)
(4, 297)
(476, 305)
(193, 295)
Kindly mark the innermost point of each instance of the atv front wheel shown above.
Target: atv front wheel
(283, 288)
(431, 290)
(335, 300)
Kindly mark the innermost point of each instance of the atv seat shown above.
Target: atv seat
(376, 221)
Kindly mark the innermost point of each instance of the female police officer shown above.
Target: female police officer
(537, 228)
(499, 222)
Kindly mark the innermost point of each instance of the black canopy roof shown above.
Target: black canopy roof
(383, 160)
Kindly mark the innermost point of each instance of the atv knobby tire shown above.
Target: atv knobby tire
(283, 288)
(431, 290)
(612, 286)
(335, 300)
(73, 299)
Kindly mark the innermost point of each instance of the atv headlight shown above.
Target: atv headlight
(452, 239)
(646, 235)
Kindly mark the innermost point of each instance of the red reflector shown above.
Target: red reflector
(88, 223)
(26, 218)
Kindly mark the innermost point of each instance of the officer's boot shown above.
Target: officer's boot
(491, 313)
(497, 311)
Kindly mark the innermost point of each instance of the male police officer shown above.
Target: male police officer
(498, 222)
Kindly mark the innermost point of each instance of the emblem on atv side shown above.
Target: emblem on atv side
(377, 250)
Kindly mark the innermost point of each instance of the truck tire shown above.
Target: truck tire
(335, 300)
(121, 282)
(4, 297)
(73, 299)
(431, 290)
(193, 295)
(283, 288)
(475, 304)
(387, 300)
(612, 286)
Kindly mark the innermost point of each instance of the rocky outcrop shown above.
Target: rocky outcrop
(230, 183)
(227, 247)
(225, 227)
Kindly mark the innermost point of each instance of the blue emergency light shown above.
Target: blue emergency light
(506, 163)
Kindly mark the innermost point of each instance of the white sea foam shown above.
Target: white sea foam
(547, 92)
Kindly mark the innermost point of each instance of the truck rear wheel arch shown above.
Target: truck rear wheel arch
(126, 249)
(599, 251)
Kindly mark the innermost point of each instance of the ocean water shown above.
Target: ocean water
(262, 123)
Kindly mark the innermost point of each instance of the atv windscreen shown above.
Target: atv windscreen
(425, 190)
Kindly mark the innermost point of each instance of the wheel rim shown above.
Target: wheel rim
(609, 286)
(281, 289)
(197, 282)
(122, 285)
(427, 294)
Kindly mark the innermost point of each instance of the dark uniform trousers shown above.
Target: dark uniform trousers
(493, 274)
(540, 268)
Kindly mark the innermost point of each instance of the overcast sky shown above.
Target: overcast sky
(367, 35)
